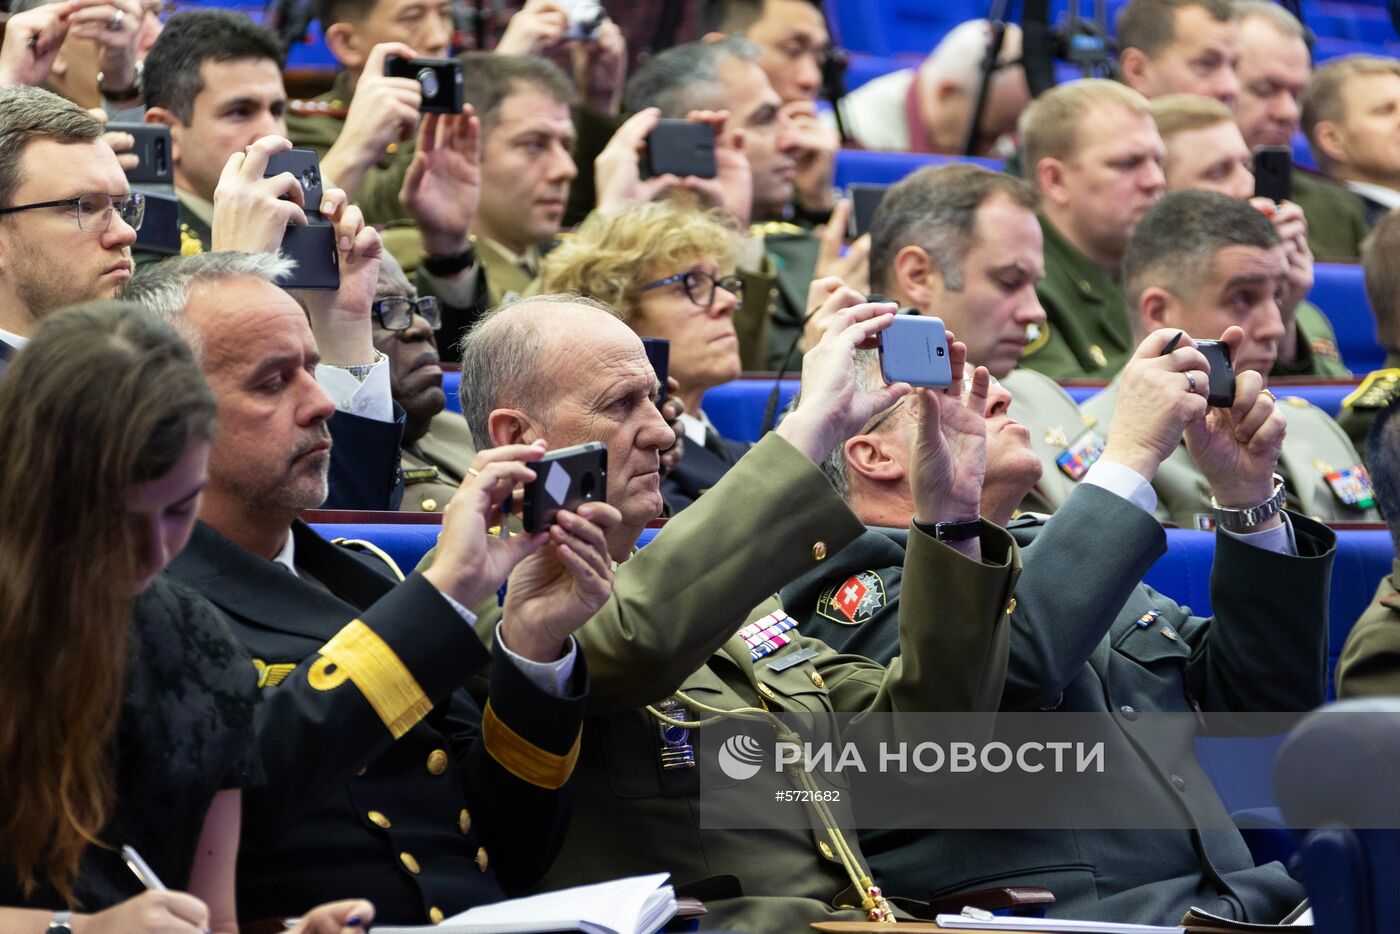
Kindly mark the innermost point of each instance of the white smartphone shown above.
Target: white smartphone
(914, 350)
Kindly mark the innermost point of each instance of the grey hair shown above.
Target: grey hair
(503, 360)
(1284, 22)
(936, 208)
(834, 466)
(163, 288)
(686, 77)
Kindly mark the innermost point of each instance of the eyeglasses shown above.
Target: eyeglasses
(396, 314)
(95, 210)
(700, 286)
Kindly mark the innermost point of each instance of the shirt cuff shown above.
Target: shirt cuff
(457, 292)
(369, 399)
(1123, 481)
(1279, 539)
(551, 677)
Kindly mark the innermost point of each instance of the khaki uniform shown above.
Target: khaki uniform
(1056, 424)
(670, 625)
(316, 124)
(507, 275)
(196, 218)
(434, 465)
(1317, 347)
(1360, 408)
(1086, 334)
(1314, 447)
(1370, 662)
(1336, 217)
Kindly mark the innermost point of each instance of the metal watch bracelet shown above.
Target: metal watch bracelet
(1237, 519)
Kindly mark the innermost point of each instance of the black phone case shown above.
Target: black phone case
(314, 250)
(563, 480)
(447, 96)
(659, 355)
(1222, 373)
(680, 147)
(160, 229)
(865, 198)
(305, 166)
(153, 149)
(1273, 173)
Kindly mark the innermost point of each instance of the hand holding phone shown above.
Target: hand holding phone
(440, 80)
(312, 247)
(680, 148)
(914, 350)
(152, 151)
(565, 479)
(1273, 173)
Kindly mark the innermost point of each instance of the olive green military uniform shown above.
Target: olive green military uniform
(1314, 446)
(670, 626)
(505, 274)
(434, 465)
(316, 124)
(1376, 391)
(1336, 217)
(1317, 347)
(196, 218)
(1086, 334)
(790, 264)
(1056, 425)
(1370, 662)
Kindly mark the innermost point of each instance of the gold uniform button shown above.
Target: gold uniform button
(1011, 607)
(817, 680)
(429, 505)
(482, 860)
(766, 691)
(464, 821)
(437, 762)
(378, 819)
(409, 863)
(819, 551)
(435, 914)
(826, 849)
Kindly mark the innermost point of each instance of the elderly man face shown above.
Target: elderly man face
(1273, 71)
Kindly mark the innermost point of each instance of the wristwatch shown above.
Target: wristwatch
(125, 94)
(1237, 519)
(61, 923)
(450, 264)
(952, 531)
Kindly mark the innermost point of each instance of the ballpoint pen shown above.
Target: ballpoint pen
(142, 871)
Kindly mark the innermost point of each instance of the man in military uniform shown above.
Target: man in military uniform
(664, 648)
(1380, 259)
(1203, 263)
(1091, 148)
(1088, 636)
(1370, 662)
(1345, 112)
(1206, 152)
(1273, 67)
(383, 776)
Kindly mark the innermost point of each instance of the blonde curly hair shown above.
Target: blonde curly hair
(611, 256)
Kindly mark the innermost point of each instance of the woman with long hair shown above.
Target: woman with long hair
(126, 706)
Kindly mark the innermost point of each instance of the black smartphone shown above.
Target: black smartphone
(680, 147)
(440, 80)
(564, 479)
(153, 149)
(160, 229)
(659, 355)
(1273, 173)
(865, 198)
(1222, 373)
(312, 247)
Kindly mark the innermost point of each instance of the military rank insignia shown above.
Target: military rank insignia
(854, 600)
(677, 751)
(768, 634)
(1080, 454)
(1352, 487)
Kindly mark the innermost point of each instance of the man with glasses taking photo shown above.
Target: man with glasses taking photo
(67, 216)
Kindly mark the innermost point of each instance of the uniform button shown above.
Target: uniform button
(378, 819)
(482, 860)
(819, 551)
(766, 691)
(429, 504)
(464, 820)
(1178, 783)
(826, 849)
(437, 762)
(1011, 607)
(409, 862)
(817, 679)
(435, 914)
(1128, 712)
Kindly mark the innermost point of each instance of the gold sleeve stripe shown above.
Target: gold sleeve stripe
(369, 662)
(523, 759)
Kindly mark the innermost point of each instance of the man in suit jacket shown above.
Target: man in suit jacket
(1088, 636)
(383, 776)
(671, 639)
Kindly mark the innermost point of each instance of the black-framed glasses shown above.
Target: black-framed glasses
(700, 285)
(396, 314)
(95, 209)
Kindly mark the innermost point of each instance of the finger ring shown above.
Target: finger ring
(1270, 394)
(1190, 383)
(473, 472)
(115, 23)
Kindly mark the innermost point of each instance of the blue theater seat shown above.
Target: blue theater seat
(451, 383)
(1339, 290)
(405, 543)
(737, 407)
(1325, 396)
(886, 168)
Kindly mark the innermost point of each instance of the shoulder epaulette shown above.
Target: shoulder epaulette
(1375, 391)
(769, 228)
(313, 108)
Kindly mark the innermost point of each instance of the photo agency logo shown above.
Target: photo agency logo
(740, 757)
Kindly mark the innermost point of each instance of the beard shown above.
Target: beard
(43, 286)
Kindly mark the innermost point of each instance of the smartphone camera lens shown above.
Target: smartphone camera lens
(309, 178)
(428, 80)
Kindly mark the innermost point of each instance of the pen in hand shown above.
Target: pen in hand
(144, 872)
